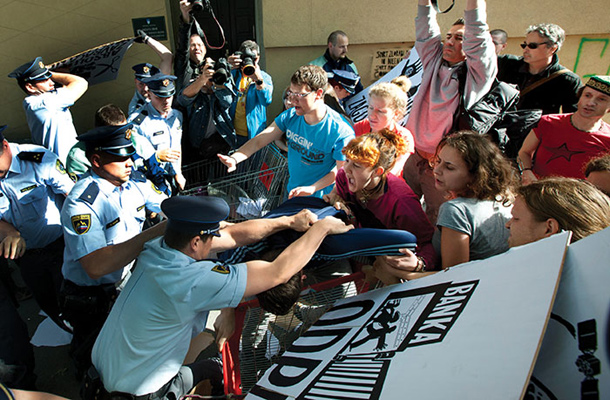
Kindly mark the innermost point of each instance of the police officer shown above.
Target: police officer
(33, 186)
(140, 97)
(46, 108)
(140, 350)
(102, 219)
(160, 124)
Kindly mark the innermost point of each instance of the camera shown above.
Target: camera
(222, 71)
(197, 6)
(247, 61)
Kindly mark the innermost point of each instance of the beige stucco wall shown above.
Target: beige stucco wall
(292, 31)
(295, 31)
(56, 29)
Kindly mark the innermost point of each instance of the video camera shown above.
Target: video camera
(198, 5)
(247, 61)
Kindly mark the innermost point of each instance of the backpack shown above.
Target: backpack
(496, 115)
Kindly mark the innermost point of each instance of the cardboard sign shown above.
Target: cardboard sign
(574, 358)
(472, 331)
(100, 64)
(412, 67)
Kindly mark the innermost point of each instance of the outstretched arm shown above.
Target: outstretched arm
(263, 275)
(165, 54)
(252, 231)
(271, 133)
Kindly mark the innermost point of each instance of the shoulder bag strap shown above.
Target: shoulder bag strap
(543, 81)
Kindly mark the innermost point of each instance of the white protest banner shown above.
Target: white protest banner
(574, 359)
(470, 332)
(100, 64)
(412, 67)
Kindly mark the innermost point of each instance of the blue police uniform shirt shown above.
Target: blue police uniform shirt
(97, 214)
(147, 334)
(313, 150)
(163, 133)
(50, 121)
(136, 102)
(32, 194)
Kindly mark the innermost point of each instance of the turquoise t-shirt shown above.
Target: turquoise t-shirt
(313, 149)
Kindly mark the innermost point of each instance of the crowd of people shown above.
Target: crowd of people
(113, 255)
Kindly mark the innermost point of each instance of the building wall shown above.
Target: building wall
(56, 29)
(293, 33)
(296, 31)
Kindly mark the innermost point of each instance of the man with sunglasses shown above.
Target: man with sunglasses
(544, 83)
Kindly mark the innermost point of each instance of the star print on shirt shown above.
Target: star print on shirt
(562, 152)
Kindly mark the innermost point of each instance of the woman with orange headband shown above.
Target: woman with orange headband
(377, 199)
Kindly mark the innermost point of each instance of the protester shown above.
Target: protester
(468, 46)
(552, 205)
(387, 107)
(378, 199)
(499, 37)
(597, 172)
(562, 144)
(481, 183)
(315, 133)
(543, 83)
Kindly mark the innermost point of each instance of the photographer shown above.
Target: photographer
(207, 102)
(255, 89)
(190, 50)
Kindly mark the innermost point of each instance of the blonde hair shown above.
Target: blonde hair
(395, 96)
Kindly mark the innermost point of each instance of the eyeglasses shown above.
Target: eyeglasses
(533, 45)
(297, 95)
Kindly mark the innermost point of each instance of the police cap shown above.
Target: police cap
(347, 79)
(199, 215)
(114, 139)
(161, 85)
(34, 70)
(2, 128)
(144, 70)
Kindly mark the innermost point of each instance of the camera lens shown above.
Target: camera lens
(197, 5)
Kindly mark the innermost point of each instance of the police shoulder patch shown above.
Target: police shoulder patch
(81, 223)
(221, 269)
(60, 166)
(34, 156)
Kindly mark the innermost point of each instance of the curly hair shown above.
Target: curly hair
(376, 149)
(311, 75)
(493, 176)
(394, 94)
(576, 205)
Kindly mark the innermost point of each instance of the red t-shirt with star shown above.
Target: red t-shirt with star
(565, 150)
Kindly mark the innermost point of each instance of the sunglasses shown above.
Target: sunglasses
(533, 45)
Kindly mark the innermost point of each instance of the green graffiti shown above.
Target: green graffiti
(583, 41)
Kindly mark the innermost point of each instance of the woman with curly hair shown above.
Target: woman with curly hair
(378, 199)
(480, 181)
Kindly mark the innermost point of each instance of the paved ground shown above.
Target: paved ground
(53, 364)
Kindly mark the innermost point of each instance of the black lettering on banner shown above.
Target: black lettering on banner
(334, 336)
(277, 378)
(364, 305)
(264, 393)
